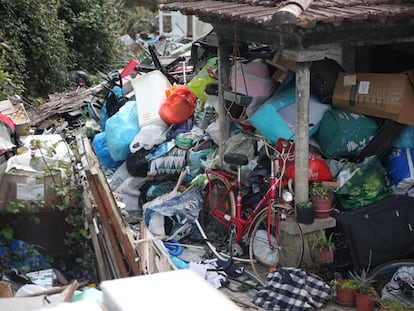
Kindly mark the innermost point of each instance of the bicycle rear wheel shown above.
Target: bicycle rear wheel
(386, 281)
(217, 197)
(284, 248)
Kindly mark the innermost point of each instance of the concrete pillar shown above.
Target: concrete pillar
(223, 53)
(302, 131)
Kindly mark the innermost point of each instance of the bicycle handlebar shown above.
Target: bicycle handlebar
(268, 145)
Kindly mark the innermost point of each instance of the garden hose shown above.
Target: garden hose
(174, 247)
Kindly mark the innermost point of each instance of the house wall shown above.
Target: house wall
(175, 24)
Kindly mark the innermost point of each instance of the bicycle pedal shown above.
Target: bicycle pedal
(237, 250)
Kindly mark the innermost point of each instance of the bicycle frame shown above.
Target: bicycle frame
(233, 184)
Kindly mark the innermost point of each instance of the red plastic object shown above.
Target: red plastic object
(129, 68)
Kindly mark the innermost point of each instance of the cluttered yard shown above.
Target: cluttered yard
(125, 188)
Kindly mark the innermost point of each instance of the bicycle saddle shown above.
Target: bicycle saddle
(236, 158)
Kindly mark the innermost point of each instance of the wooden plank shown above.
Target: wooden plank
(103, 273)
(112, 210)
(101, 209)
(107, 225)
(109, 256)
(102, 270)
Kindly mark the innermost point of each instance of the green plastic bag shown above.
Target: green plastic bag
(366, 185)
(198, 82)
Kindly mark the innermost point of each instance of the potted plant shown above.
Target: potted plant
(322, 197)
(365, 294)
(305, 212)
(323, 247)
(344, 291)
(394, 305)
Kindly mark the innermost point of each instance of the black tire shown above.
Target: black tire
(287, 252)
(383, 274)
(391, 265)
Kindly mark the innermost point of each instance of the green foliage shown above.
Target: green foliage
(319, 240)
(38, 50)
(349, 284)
(138, 20)
(70, 190)
(306, 204)
(9, 85)
(14, 207)
(365, 283)
(319, 190)
(7, 233)
(394, 305)
(92, 31)
(41, 40)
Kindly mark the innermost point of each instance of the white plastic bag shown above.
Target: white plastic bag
(149, 136)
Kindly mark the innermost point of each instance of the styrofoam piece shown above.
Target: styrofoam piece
(149, 91)
(276, 118)
(180, 290)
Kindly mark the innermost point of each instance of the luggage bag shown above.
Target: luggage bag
(380, 232)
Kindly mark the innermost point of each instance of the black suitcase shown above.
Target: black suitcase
(381, 143)
(379, 232)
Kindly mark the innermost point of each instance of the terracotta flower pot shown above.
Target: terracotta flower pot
(323, 207)
(365, 302)
(344, 296)
(324, 255)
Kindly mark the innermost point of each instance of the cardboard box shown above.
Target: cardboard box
(18, 114)
(30, 176)
(388, 96)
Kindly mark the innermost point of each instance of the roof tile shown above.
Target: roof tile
(302, 13)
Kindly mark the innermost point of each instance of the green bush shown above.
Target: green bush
(35, 35)
(43, 40)
(92, 31)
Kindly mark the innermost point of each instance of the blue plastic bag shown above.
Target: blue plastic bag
(102, 152)
(406, 138)
(17, 254)
(121, 129)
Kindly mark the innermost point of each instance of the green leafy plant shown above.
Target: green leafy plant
(394, 305)
(14, 207)
(319, 240)
(364, 283)
(320, 190)
(348, 284)
(6, 233)
(70, 204)
(306, 204)
(343, 287)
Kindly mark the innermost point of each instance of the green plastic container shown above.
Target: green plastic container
(343, 134)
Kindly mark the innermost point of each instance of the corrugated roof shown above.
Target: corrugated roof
(269, 14)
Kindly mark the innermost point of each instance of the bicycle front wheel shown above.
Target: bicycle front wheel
(275, 243)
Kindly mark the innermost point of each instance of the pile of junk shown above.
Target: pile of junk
(155, 132)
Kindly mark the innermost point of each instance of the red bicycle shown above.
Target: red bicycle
(270, 231)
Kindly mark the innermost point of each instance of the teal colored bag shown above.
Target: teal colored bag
(366, 186)
(199, 154)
